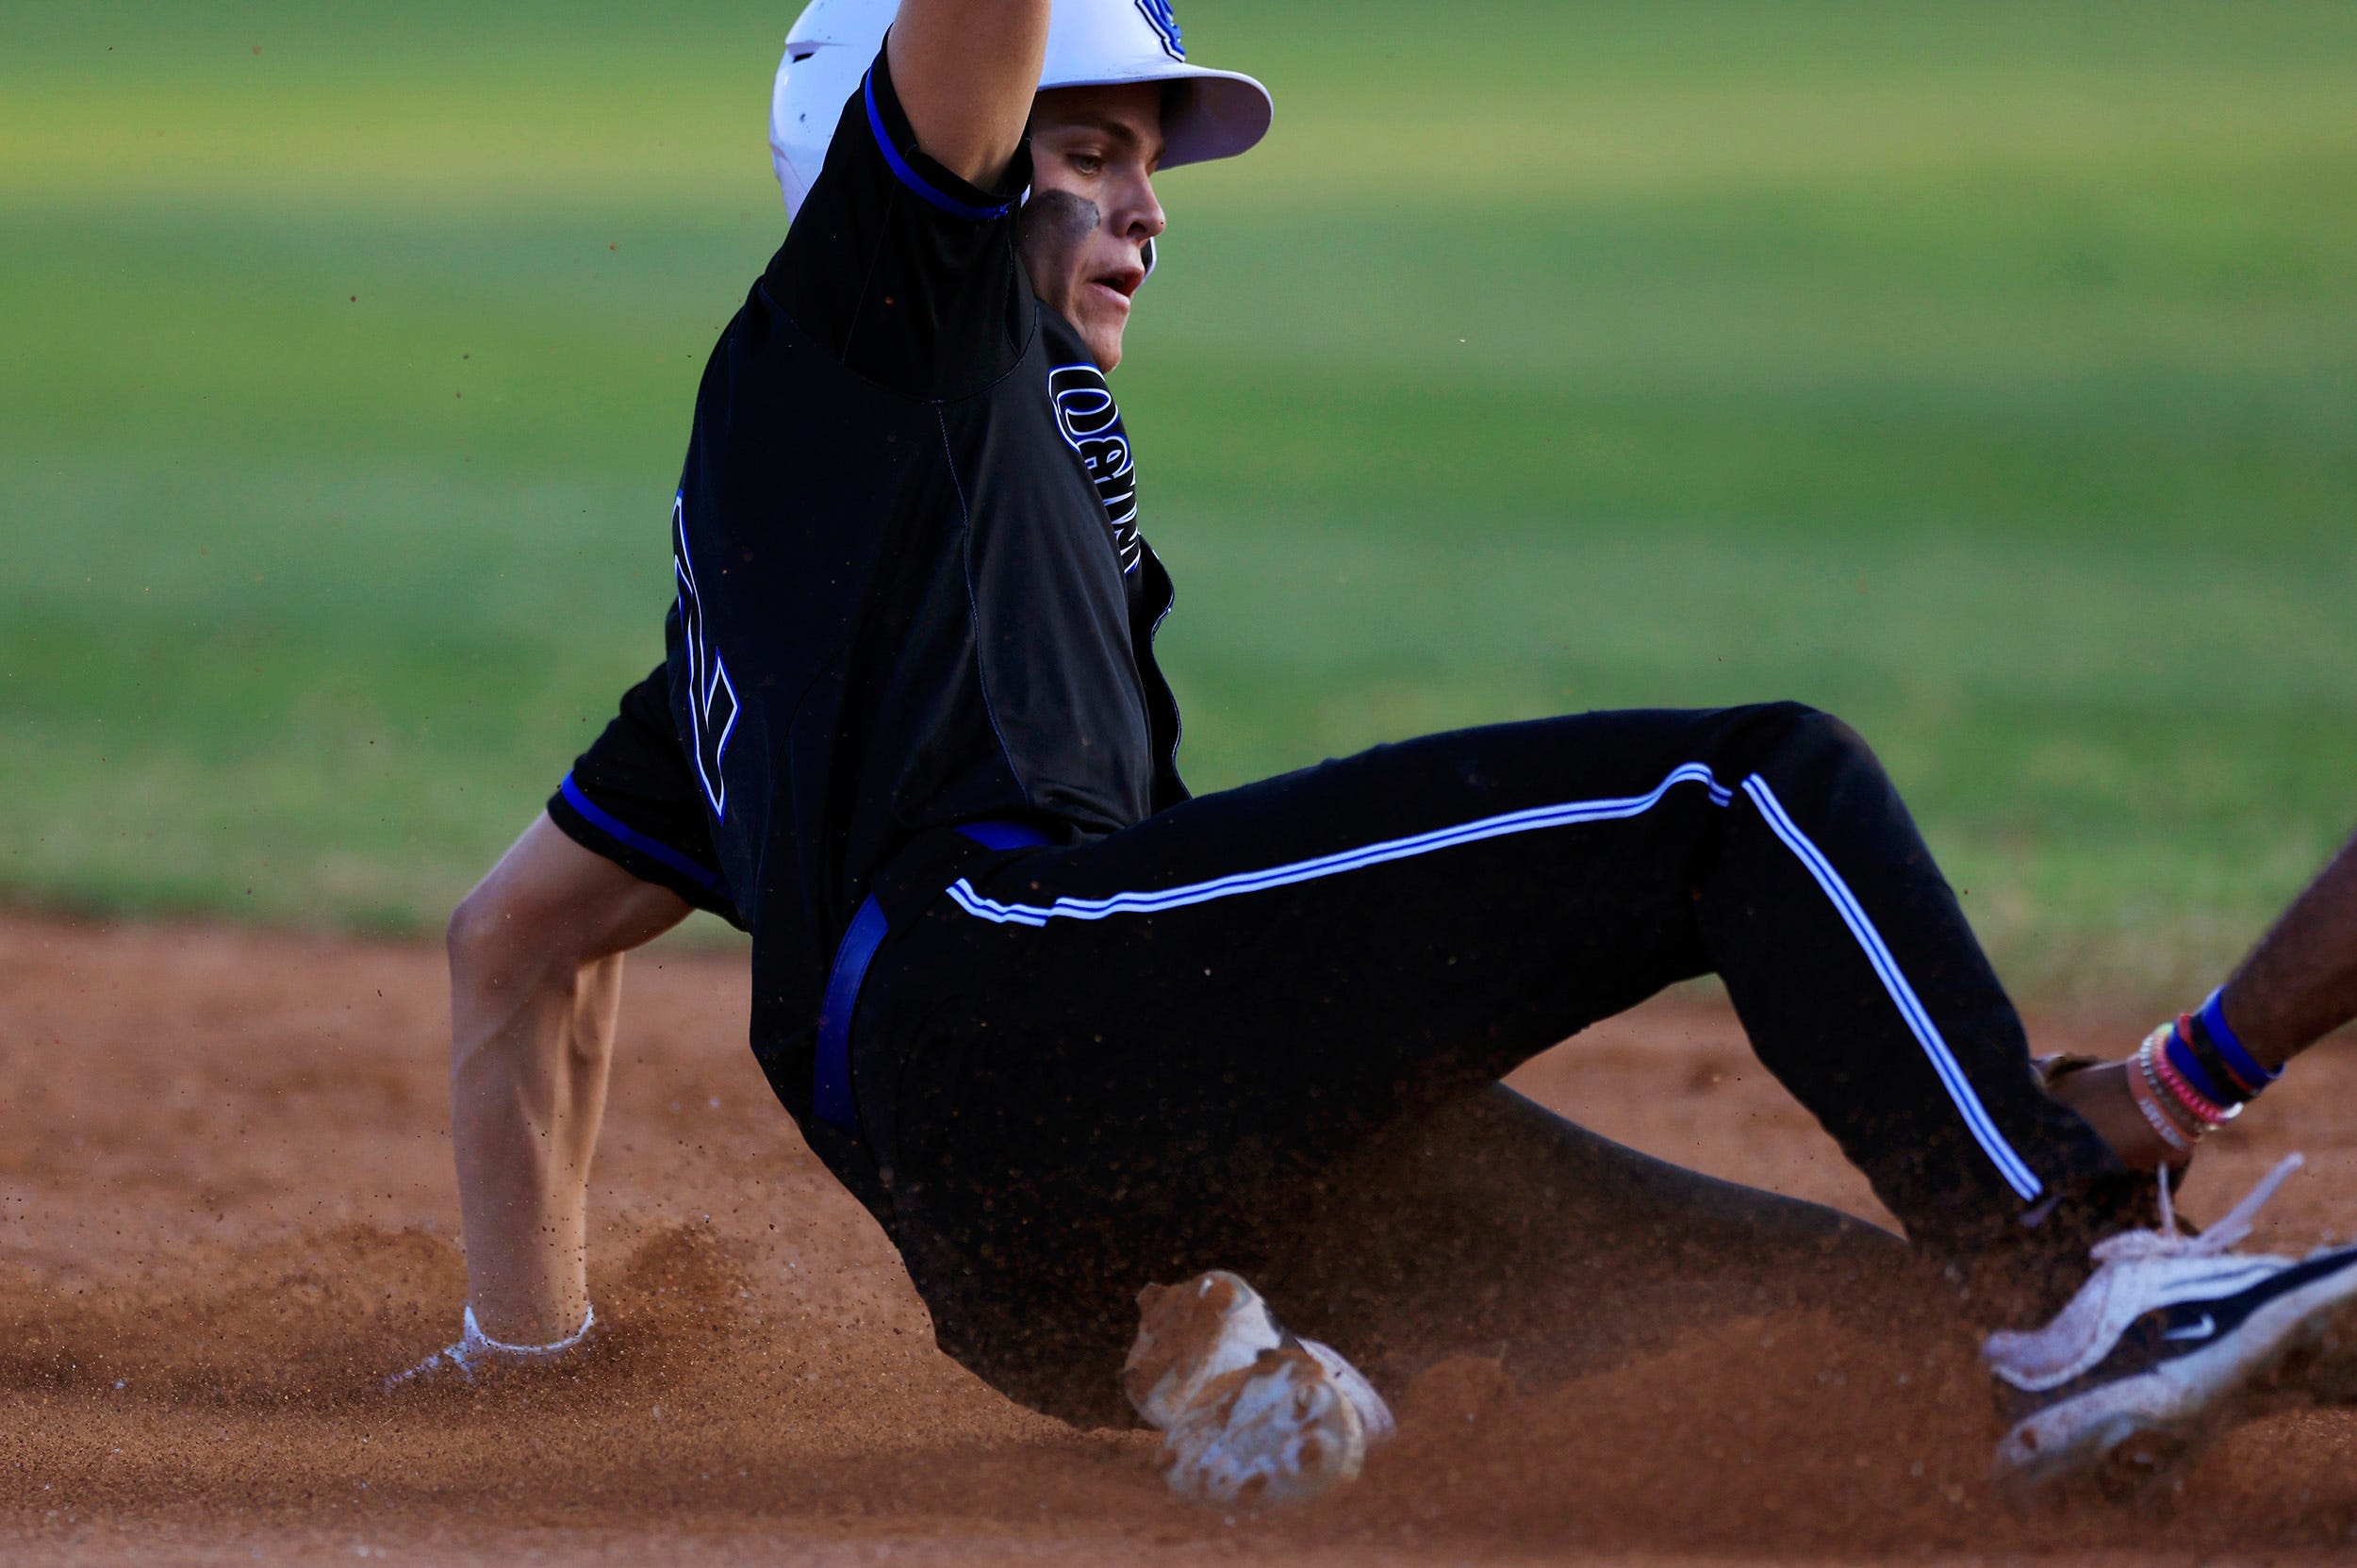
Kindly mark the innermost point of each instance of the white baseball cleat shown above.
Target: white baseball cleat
(1249, 1412)
(2158, 1351)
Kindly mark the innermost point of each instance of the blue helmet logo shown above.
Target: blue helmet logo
(1158, 16)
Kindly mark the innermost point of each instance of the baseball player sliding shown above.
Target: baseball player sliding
(1082, 1042)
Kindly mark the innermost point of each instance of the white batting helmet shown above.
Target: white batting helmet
(1090, 44)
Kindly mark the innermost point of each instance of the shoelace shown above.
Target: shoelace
(2169, 1241)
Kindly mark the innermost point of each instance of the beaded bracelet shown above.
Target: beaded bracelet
(2183, 1115)
(2203, 1108)
(2199, 1063)
(2142, 1088)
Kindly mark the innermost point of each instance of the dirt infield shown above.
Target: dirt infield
(226, 1209)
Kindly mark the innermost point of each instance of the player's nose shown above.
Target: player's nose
(1140, 216)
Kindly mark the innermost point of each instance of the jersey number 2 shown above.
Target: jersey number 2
(711, 700)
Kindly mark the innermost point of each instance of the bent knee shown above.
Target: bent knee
(1815, 729)
(1797, 733)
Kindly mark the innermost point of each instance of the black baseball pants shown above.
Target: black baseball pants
(1092, 1067)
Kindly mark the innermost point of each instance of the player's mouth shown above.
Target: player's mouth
(1117, 287)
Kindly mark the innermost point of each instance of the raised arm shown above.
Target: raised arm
(966, 71)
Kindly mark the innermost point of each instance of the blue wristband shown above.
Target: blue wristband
(2182, 1056)
(2243, 1065)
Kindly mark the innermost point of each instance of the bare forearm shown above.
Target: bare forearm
(527, 1098)
(2299, 983)
(536, 978)
(966, 72)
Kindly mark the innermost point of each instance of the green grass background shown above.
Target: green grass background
(1986, 374)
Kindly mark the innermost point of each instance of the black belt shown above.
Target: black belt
(830, 1073)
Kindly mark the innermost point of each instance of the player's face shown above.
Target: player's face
(1094, 151)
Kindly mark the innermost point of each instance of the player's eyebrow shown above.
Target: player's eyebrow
(1106, 125)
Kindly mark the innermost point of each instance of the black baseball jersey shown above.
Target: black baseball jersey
(911, 590)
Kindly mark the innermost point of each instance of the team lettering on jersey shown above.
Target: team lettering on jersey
(711, 696)
(1091, 422)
